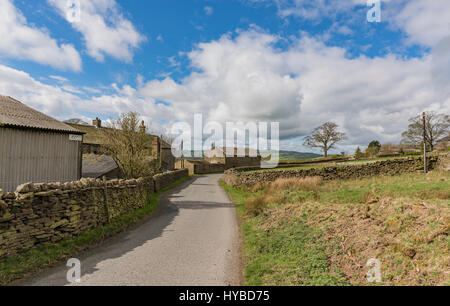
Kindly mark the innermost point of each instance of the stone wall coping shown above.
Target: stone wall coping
(48, 189)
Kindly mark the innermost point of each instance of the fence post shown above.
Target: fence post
(424, 144)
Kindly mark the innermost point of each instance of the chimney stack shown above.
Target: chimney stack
(142, 128)
(97, 123)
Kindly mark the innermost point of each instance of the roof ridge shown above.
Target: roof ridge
(17, 114)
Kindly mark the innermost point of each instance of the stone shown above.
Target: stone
(40, 187)
(409, 252)
(444, 162)
(68, 186)
(6, 217)
(25, 188)
(9, 196)
(57, 211)
(59, 223)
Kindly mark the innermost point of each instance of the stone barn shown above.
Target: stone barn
(231, 158)
(35, 147)
(93, 142)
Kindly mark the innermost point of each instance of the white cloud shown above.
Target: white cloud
(64, 103)
(208, 10)
(49, 99)
(21, 40)
(425, 22)
(248, 79)
(105, 30)
(59, 78)
(312, 9)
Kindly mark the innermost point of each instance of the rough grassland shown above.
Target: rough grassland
(323, 233)
(49, 254)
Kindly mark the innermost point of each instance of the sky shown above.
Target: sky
(297, 62)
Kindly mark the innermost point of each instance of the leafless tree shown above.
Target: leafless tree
(436, 127)
(128, 143)
(325, 137)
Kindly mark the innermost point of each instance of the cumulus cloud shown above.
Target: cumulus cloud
(312, 9)
(208, 10)
(425, 22)
(21, 40)
(105, 30)
(63, 102)
(246, 78)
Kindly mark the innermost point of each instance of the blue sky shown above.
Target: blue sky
(172, 27)
(313, 61)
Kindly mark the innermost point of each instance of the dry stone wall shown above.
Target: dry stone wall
(49, 212)
(236, 177)
(165, 179)
(208, 168)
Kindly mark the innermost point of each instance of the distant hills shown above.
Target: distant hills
(284, 155)
(293, 155)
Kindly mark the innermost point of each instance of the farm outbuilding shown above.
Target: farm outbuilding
(93, 143)
(233, 157)
(35, 147)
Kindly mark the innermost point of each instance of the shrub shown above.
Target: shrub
(358, 153)
(255, 205)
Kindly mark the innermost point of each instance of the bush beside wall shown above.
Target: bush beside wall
(50, 212)
(236, 177)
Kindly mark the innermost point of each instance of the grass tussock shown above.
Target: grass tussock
(255, 205)
(306, 184)
(404, 221)
(269, 194)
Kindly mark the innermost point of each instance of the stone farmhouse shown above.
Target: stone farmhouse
(219, 159)
(96, 166)
(35, 147)
(231, 158)
(199, 166)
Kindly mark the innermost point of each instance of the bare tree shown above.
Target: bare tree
(325, 137)
(128, 143)
(436, 127)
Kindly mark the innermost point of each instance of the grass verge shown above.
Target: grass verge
(47, 255)
(305, 234)
(287, 254)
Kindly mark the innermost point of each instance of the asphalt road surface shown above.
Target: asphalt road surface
(191, 240)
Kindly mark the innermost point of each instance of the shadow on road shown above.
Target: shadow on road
(119, 245)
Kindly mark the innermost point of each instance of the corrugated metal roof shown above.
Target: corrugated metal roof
(93, 135)
(16, 114)
(96, 166)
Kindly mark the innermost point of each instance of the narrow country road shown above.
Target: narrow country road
(191, 240)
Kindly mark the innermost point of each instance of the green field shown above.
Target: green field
(299, 232)
(293, 156)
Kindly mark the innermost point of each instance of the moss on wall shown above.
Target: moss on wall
(236, 177)
(50, 212)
